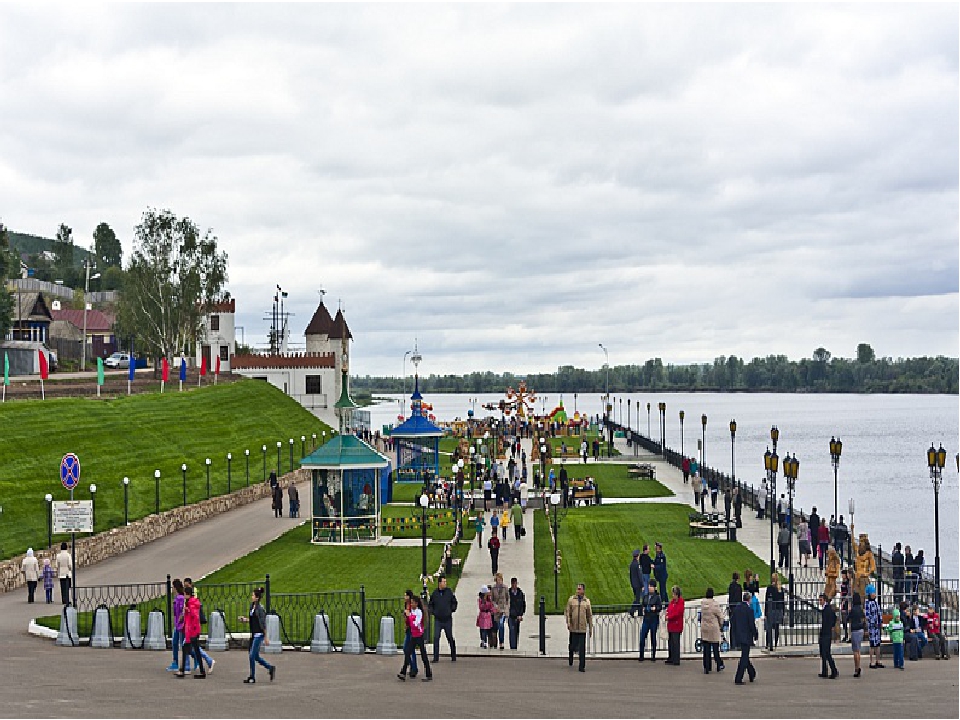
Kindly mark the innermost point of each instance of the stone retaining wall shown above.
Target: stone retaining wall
(97, 548)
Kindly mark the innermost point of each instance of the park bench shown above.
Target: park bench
(645, 471)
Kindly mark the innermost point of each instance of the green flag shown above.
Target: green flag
(6, 369)
(99, 371)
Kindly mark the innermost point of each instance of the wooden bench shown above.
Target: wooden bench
(702, 529)
(588, 496)
(646, 472)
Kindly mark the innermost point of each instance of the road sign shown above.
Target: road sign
(70, 471)
(72, 516)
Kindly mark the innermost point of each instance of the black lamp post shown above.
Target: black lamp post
(703, 445)
(264, 449)
(246, 454)
(208, 477)
(424, 501)
(126, 501)
(291, 454)
(156, 488)
(555, 513)
(936, 459)
(681, 434)
(629, 426)
(279, 470)
(648, 421)
(835, 449)
(49, 498)
(543, 462)
(770, 463)
(93, 507)
(184, 469)
(733, 455)
(791, 468)
(663, 427)
(313, 437)
(575, 403)
(229, 478)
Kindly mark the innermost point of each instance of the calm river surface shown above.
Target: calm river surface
(883, 467)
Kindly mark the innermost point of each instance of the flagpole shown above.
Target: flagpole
(43, 394)
(161, 387)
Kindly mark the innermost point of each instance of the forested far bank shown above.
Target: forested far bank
(820, 373)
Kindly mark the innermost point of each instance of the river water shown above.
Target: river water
(883, 467)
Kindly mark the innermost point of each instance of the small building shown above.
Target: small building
(30, 318)
(68, 325)
(218, 336)
(417, 442)
(348, 482)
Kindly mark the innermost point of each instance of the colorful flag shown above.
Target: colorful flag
(164, 370)
(183, 369)
(99, 371)
(133, 367)
(6, 369)
(44, 369)
(203, 367)
(217, 371)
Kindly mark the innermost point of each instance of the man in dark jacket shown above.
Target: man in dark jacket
(636, 583)
(442, 606)
(646, 570)
(563, 484)
(518, 608)
(898, 569)
(828, 620)
(660, 572)
(652, 605)
(814, 528)
(743, 633)
(734, 593)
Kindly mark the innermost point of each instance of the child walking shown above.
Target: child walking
(48, 580)
(895, 630)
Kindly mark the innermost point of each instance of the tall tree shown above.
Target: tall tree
(174, 275)
(107, 246)
(865, 354)
(6, 270)
(63, 247)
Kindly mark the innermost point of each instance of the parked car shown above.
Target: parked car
(118, 360)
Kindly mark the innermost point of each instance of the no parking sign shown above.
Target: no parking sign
(70, 471)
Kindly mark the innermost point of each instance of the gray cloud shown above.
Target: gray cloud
(513, 184)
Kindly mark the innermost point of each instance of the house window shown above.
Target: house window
(224, 352)
(313, 385)
(215, 323)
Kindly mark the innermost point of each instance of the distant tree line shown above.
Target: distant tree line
(820, 373)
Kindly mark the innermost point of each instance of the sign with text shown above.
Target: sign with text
(72, 516)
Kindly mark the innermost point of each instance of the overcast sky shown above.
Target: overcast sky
(512, 185)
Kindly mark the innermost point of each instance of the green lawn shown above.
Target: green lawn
(132, 437)
(615, 481)
(573, 446)
(596, 545)
(440, 523)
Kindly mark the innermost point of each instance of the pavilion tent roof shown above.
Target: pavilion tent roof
(344, 451)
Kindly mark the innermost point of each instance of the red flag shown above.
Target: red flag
(44, 370)
(203, 367)
(165, 369)
(218, 365)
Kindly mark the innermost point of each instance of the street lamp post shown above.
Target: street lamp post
(606, 395)
(279, 469)
(703, 446)
(851, 507)
(93, 507)
(629, 426)
(291, 454)
(303, 446)
(835, 449)
(936, 459)
(424, 501)
(403, 398)
(554, 512)
(681, 435)
(49, 498)
(264, 449)
(314, 438)
(208, 461)
(246, 454)
(543, 462)
(791, 469)
(229, 479)
(184, 469)
(648, 421)
(770, 462)
(156, 488)
(733, 456)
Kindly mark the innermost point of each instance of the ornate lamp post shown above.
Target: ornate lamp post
(681, 434)
(770, 462)
(184, 469)
(835, 449)
(555, 500)
(460, 483)
(663, 427)
(208, 461)
(156, 488)
(791, 468)
(629, 426)
(229, 478)
(126, 501)
(93, 501)
(703, 445)
(49, 498)
(648, 421)
(733, 454)
(936, 459)
(543, 462)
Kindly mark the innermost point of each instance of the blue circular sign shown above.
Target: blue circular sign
(70, 471)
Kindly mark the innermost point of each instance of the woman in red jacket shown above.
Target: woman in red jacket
(674, 625)
(191, 634)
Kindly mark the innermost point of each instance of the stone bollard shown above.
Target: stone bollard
(132, 637)
(217, 632)
(386, 646)
(100, 637)
(68, 637)
(320, 643)
(156, 639)
(353, 645)
(273, 635)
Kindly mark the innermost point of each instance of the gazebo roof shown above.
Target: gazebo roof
(416, 426)
(344, 451)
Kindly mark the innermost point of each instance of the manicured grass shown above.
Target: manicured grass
(440, 523)
(573, 446)
(596, 545)
(132, 437)
(295, 565)
(615, 481)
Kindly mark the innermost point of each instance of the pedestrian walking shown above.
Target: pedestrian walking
(31, 573)
(636, 583)
(660, 571)
(516, 516)
(773, 608)
(478, 526)
(871, 609)
(714, 485)
(823, 541)
(857, 621)
(828, 620)
(579, 617)
(191, 636)
(176, 643)
(494, 524)
(493, 545)
(697, 490)
(685, 467)
(257, 619)
(504, 522)
(408, 604)
(738, 507)
(674, 625)
(277, 501)
(711, 625)
(783, 544)
(652, 606)
(734, 595)
(188, 584)
(844, 602)
(48, 580)
(442, 606)
(803, 542)
(293, 500)
(518, 608)
(64, 572)
(743, 633)
(485, 610)
(414, 620)
(501, 599)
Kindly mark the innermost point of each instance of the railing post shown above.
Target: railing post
(363, 616)
(542, 611)
(266, 588)
(169, 609)
(880, 577)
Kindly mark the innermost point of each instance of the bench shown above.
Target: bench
(703, 529)
(645, 472)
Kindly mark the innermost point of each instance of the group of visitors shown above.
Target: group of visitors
(34, 573)
(276, 495)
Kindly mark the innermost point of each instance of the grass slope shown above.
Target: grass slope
(596, 545)
(133, 436)
(615, 481)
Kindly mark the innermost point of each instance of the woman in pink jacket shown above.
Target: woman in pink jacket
(485, 610)
(674, 625)
(191, 634)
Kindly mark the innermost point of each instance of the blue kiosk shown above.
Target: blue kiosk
(349, 482)
(417, 442)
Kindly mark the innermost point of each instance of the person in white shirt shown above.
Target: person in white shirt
(64, 572)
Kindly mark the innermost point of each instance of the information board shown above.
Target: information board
(72, 516)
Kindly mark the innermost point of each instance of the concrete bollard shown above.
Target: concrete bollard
(386, 645)
(320, 643)
(217, 632)
(273, 635)
(100, 637)
(353, 645)
(68, 637)
(156, 639)
(132, 637)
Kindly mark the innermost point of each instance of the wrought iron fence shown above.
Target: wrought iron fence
(298, 610)
(144, 597)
